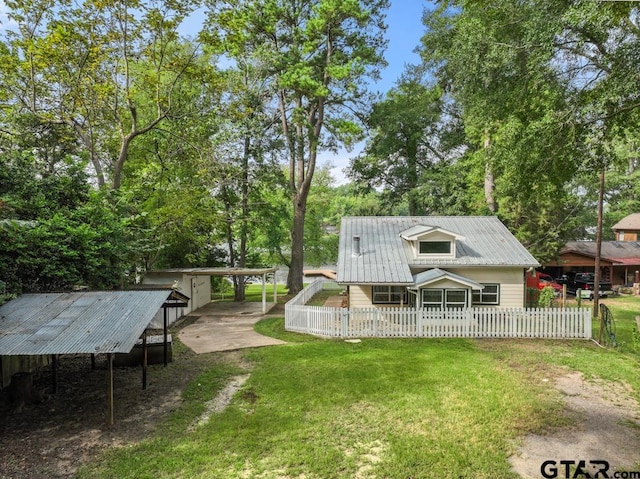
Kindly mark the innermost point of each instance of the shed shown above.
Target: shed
(87, 322)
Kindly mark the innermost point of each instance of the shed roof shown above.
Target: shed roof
(88, 322)
(212, 271)
(386, 258)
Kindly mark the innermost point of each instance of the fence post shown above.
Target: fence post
(344, 316)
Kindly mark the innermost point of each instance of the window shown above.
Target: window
(389, 295)
(444, 298)
(432, 298)
(435, 247)
(489, 295)
(456, 298)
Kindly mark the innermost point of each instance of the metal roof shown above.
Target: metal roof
(386, 258)
(217, 271)
(437, 274)
(88, 322)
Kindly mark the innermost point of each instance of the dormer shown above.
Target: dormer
(431, 242)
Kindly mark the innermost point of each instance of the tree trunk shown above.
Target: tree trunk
(295, 277)
(489, 179)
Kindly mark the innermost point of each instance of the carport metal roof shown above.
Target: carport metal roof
(88, 322)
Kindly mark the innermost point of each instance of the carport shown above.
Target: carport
(87, 322)
(181, 275)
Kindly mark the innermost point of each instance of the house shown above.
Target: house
(627, 228)
(619, 259)
(431, 262)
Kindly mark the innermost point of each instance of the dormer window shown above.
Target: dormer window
(435, 247)
(431, 241)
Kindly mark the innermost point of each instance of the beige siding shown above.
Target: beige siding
(511, 281)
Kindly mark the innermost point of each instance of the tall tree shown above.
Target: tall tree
(539, 85)
(403, 144)
(318, 54)
(109, 70)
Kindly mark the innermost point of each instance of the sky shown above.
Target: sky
(404, 20)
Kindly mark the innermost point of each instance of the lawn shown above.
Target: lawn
(318, 408)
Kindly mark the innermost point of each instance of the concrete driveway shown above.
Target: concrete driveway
(225, 327)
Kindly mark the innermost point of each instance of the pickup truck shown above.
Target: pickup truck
(584, 282)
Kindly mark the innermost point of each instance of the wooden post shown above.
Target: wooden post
(54, 372)
(110, 389)
(264, 293)
(166, 345)
(144, 359)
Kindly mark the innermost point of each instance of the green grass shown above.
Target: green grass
(253, 293)
(391, 408)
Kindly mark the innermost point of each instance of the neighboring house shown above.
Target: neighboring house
(627, 228)
(431, 262)
(619, 259)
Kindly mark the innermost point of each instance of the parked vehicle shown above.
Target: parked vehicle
(539, 281)
(585, 283)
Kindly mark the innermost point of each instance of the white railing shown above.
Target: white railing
(304, 296)
(550, 323)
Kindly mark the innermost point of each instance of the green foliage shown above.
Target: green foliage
(547, 297)
(86, 247)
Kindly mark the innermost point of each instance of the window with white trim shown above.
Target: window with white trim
(444, 298)
(390, 295)
(490, 294)
(455, 298)
(435, 247)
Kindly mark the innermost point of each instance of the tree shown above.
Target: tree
(543, 89)
(317, 55)
(108, 70)
(404, 143)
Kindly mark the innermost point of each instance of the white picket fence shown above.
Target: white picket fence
(549, 323)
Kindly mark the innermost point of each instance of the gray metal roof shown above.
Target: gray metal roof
(437, 274)
(386, 258)
(86, 322)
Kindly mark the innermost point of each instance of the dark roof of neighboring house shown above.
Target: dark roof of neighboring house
(87, 322)
(623, 252)
(387, 258)
(630, 222)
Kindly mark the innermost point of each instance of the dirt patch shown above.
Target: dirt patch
(54, 438)
(605, 426)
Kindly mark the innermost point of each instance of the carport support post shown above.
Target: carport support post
(264, 293)
(54, 372)
(166, 346)
(110, 388)
(144, 359)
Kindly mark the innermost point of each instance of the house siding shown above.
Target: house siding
(511, 281)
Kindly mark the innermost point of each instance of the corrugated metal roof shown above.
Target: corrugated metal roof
(88, 322)
(385, 258)
(437, 274)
